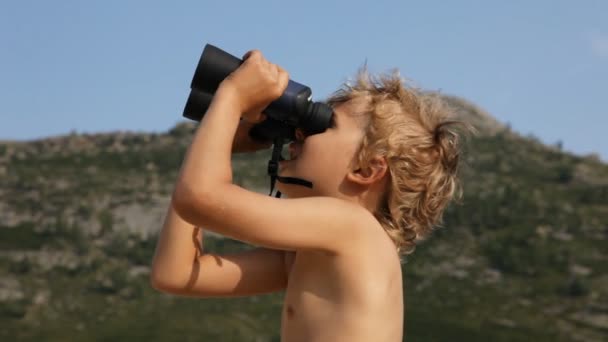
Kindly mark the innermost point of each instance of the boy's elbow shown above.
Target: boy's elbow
(154, 283)
(163, 284)
(158, 283)
(182, 198)
(190, 204)
(161, 278)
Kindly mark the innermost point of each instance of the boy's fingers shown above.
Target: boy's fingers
(249, 53)
(246, 56)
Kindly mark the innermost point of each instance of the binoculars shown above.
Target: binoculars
(293, 109)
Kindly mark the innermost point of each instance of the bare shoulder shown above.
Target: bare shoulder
(369, 232)
(360, 226)
(371, 252)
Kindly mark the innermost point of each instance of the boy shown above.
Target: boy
(382, 175)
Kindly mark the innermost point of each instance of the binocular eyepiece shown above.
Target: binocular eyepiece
(294, 109)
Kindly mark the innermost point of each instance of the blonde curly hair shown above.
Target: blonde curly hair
(416, 134)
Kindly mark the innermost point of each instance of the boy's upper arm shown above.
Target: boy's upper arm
(252, 272)
(310, 223)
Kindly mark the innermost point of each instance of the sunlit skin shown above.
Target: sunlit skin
(339, 269)
(329, 294)
(326, 158)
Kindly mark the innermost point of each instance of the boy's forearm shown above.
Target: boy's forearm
(178, 247)
(208, 160)
(206, 166)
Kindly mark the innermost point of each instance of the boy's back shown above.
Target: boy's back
(352, 296)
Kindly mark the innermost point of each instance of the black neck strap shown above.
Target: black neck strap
(273, 168)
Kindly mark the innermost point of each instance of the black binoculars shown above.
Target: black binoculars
(294, 109)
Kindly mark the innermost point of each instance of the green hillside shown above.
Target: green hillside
(523, 258)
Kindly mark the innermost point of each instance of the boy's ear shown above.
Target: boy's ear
(371, 174)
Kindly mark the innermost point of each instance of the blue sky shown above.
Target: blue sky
(541, 66)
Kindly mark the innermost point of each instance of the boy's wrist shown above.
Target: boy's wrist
(228, 93)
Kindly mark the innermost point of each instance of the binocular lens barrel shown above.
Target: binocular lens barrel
(213, 67)
(294, 109)
(197, 104)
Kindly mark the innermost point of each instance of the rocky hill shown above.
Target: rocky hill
(522, 258)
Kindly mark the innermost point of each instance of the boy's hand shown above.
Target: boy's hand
(256, 83)
(243, 142)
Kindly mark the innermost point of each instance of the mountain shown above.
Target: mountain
(522, 257)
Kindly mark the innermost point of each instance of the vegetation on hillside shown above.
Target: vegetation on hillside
(522, 258)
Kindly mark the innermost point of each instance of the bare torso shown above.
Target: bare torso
(356, 296)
